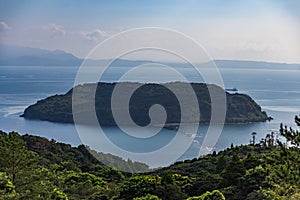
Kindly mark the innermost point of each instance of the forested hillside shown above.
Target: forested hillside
(241, 108)
(32, 167)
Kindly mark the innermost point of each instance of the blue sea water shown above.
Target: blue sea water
(276, 90)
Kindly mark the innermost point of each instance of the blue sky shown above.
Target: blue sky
(232, 29)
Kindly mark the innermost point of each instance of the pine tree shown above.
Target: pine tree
(234, 170)
(291, 135)
(16, 160)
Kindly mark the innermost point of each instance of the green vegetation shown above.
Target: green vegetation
(32, 167)
(240, 108)
(214, 195)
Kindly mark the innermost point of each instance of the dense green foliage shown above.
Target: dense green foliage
(240, 108)
(32, 167)
(214, 195)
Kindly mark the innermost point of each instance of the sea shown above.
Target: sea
(275, 89)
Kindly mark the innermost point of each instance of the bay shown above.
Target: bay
(276, 90)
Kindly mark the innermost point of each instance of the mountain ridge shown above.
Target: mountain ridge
(11, 55)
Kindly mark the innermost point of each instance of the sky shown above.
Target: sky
(261, 30)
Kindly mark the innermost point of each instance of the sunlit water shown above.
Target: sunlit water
(277, 91)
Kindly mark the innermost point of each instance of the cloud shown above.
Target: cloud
(55, 29)
(95, 35)
(4, 26)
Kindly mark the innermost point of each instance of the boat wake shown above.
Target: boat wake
(12, 111)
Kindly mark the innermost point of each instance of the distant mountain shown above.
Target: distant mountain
(27, 56)
(254, 64)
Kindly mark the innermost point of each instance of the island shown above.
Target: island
(241, 108)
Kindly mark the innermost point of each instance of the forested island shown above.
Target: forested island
(241, 108)
(33, 167)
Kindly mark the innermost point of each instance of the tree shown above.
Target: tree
(147, 197)
(282, 192)
(58, 195)
(291, 135)
(251, 161)
(78, 184)
(167, 178)
(233, 172)
(214, 195)
(263, 142)
(253, 137)
(16, 160)
(253, 180)
(138, 186)
(21, 165)
(7, 188)
(205, 182)
(283, 166)
(272, 140)
(30, 180)
(221, 164)
(170, 192)
(297, 120)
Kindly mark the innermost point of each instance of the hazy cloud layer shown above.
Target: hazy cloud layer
(55, 29)
(95, 35)
(4, 26)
